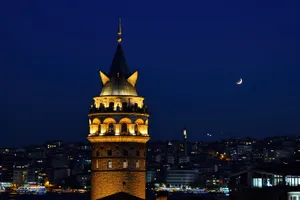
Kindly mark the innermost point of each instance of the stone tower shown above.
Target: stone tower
(118, 122)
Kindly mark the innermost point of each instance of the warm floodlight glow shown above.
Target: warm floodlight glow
(104, 78)
(133, 78)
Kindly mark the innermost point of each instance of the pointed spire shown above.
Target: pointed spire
(119, 64)
(120, 31)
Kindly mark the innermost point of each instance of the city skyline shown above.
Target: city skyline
(86, 143)
(189, 63)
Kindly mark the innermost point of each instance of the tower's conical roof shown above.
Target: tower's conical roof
(119, 64)
(119, 80)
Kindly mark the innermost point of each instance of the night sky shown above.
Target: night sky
(189, 55)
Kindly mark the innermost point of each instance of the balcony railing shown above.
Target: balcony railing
(129, 109)
(120, 134)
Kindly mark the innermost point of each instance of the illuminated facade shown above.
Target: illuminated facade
(118, 122)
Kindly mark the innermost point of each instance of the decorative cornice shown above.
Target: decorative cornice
(117, 113)
(118, 138)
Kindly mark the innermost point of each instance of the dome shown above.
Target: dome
(118, 87)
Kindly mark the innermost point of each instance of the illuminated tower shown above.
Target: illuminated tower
(185, 143)
(118, 122)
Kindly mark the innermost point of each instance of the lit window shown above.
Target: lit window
(109, 164)
(137, 164)
(125, 164)
(97, 164)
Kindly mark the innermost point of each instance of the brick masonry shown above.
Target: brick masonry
(107, 181)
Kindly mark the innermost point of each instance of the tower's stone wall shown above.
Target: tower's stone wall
(117, 149)
(107, 180)
(108, 183)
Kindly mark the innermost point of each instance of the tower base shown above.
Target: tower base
(133, 183)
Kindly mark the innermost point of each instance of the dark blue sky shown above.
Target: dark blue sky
(189, 55)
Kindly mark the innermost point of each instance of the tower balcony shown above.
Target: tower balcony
(118, 109)
(118, 130)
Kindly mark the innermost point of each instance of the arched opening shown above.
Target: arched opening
(109, 120)
(136, 129)
(97, 164)
(109, 164)
(138, 153)
(124, 106)
(125, 152)
(111, 105)
(110, 125)
(139, 121)
(98, 153)
(137, 164)
(109, 152)
(125, 120)
(136, 106)
(96, 121)
(125, 164)
(124, 128)
(110, 128)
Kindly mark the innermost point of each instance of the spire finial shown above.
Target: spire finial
(120, 31)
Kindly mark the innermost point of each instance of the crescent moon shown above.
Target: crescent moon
(239, 82)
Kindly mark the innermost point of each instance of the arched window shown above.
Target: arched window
(137, 153)
(137, 164)
(97, 164)
(125, 164)
(125, 152)
(97, 153)
(110, 128)
(136, 129)
(111, 105)
(124, 128)
(109, 152)
(109, 164)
